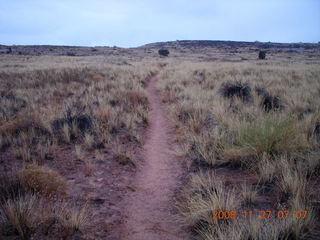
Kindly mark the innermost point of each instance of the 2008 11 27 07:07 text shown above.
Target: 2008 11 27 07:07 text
(261, 214)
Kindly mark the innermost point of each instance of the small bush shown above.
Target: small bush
(163, 52)
(42, 180)
(270, 136)
(22, 215)
(83, 122)
(262, 54)
(271, 103)
(237, 89)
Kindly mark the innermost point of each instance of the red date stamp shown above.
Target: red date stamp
(262, 214)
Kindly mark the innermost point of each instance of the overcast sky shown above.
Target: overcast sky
(130, 23)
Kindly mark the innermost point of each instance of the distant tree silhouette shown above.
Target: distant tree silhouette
(262, 54)
(163, 52)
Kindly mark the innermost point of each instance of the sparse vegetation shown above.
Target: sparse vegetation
(248, 120)
(27, 212)
(73, 218)
(248, 130)
(52, 120)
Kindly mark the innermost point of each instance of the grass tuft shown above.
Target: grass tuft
(272, 136)
(42, 180)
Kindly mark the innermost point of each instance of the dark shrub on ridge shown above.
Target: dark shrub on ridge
(163, 52)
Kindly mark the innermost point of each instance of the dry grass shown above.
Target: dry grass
(291, 181)
(205, 195)
(271, 136)
(27, 212)
(36, 108)
(88, 168)
(30, 215)
(73, 218)
(42, 180)
(22, 214)
(249, 194)
(81, 106)
(259, 118)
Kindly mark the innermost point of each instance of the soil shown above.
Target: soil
(149, 210)
(102, 192)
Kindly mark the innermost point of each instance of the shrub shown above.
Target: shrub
(42, 180)
(262, 54)
(163, 52)
(271, 103)
(237, 89)
(83, 122)
(272, 135)
(22, 215)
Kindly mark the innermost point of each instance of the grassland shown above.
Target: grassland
(249, 132)
(64, 124)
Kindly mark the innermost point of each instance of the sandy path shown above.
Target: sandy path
(149, 208)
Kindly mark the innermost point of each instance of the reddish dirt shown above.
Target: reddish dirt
(102, 192)
(150, 209)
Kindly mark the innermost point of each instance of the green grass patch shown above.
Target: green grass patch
(272, 135)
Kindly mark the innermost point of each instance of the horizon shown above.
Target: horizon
(159, 42)
(128, 25)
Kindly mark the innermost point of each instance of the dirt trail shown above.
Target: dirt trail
(149, 208)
